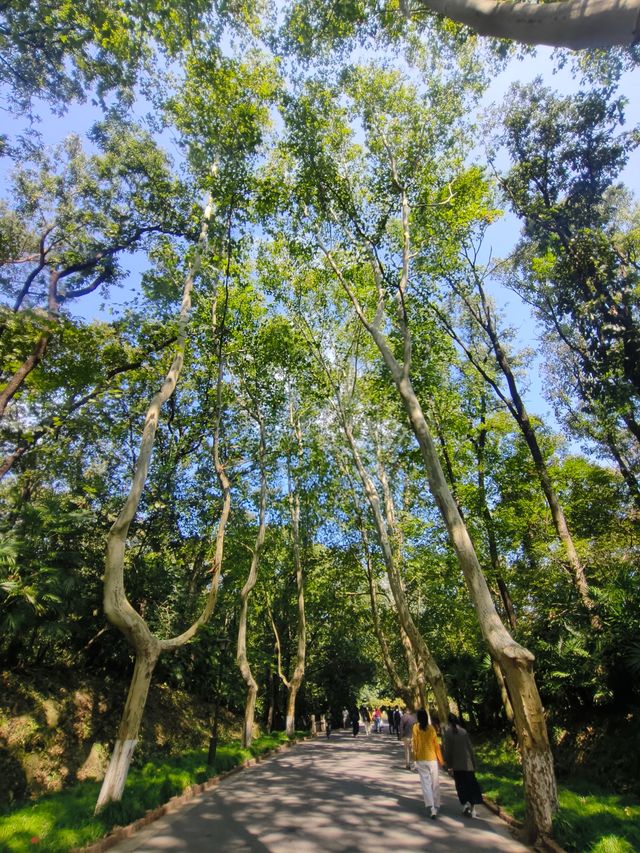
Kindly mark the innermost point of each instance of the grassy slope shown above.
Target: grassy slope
(590, 820)
(57, 728)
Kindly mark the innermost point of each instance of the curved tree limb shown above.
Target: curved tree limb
(576, 24)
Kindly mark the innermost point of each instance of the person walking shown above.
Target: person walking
(328, 721)
(460, 757)
(397, 717)
(407, 723)
(428, 758)
(355, 720)
(377, 721)
(366, 718)
(390, 719)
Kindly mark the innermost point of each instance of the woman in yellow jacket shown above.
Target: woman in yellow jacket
(428, 758)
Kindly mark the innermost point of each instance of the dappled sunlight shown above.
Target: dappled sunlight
(339, 793)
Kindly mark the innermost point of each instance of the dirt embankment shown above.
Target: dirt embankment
(57, 728)
(604, 749)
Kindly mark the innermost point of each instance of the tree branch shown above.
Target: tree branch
(576, 24)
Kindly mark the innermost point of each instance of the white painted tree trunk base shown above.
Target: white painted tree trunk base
(116, 775)
(541, 793)
(290, 725)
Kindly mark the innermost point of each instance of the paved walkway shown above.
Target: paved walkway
(340, 793)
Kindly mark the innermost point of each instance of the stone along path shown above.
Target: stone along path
(328, 794)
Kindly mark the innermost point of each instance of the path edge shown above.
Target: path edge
(121, 833)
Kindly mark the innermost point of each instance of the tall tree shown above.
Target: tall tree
(117, 607)
(576, 262)
(407, 169)
(481, 314)
(294, 486)
(221, 153)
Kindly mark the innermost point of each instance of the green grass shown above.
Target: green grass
(60, 822)
(590, 820)
(597, 821)
(500, 776)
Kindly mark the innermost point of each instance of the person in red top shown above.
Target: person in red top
(428, 758)
(377, 720)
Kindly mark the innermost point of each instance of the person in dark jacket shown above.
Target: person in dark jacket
(397, 718)
(355, 720)
(366, 718)
(390, 720)
(458, 754)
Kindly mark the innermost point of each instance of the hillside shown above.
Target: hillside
(56, 727)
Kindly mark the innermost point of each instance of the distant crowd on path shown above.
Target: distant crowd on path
(423, 752)
(372, 721)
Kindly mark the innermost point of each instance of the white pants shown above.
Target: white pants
(430, 781)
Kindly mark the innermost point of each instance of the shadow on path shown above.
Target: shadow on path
(330, 794)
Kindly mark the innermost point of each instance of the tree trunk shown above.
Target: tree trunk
(560, 523)
(415, 692)
(27, 366)
(489, 524)
(11, 458)
(399, 687)
(290, 720)
(425, 657)
(515, 404)
(270, 680)
(249, 708)
(40, 348)
(242, 659)
(241, 656)
(299, 667)
(515, 661)
(419, 658)
(116, 775)
(625, 470)
(521, 416)
(504, 693)
(301, 628)
(576, 24)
